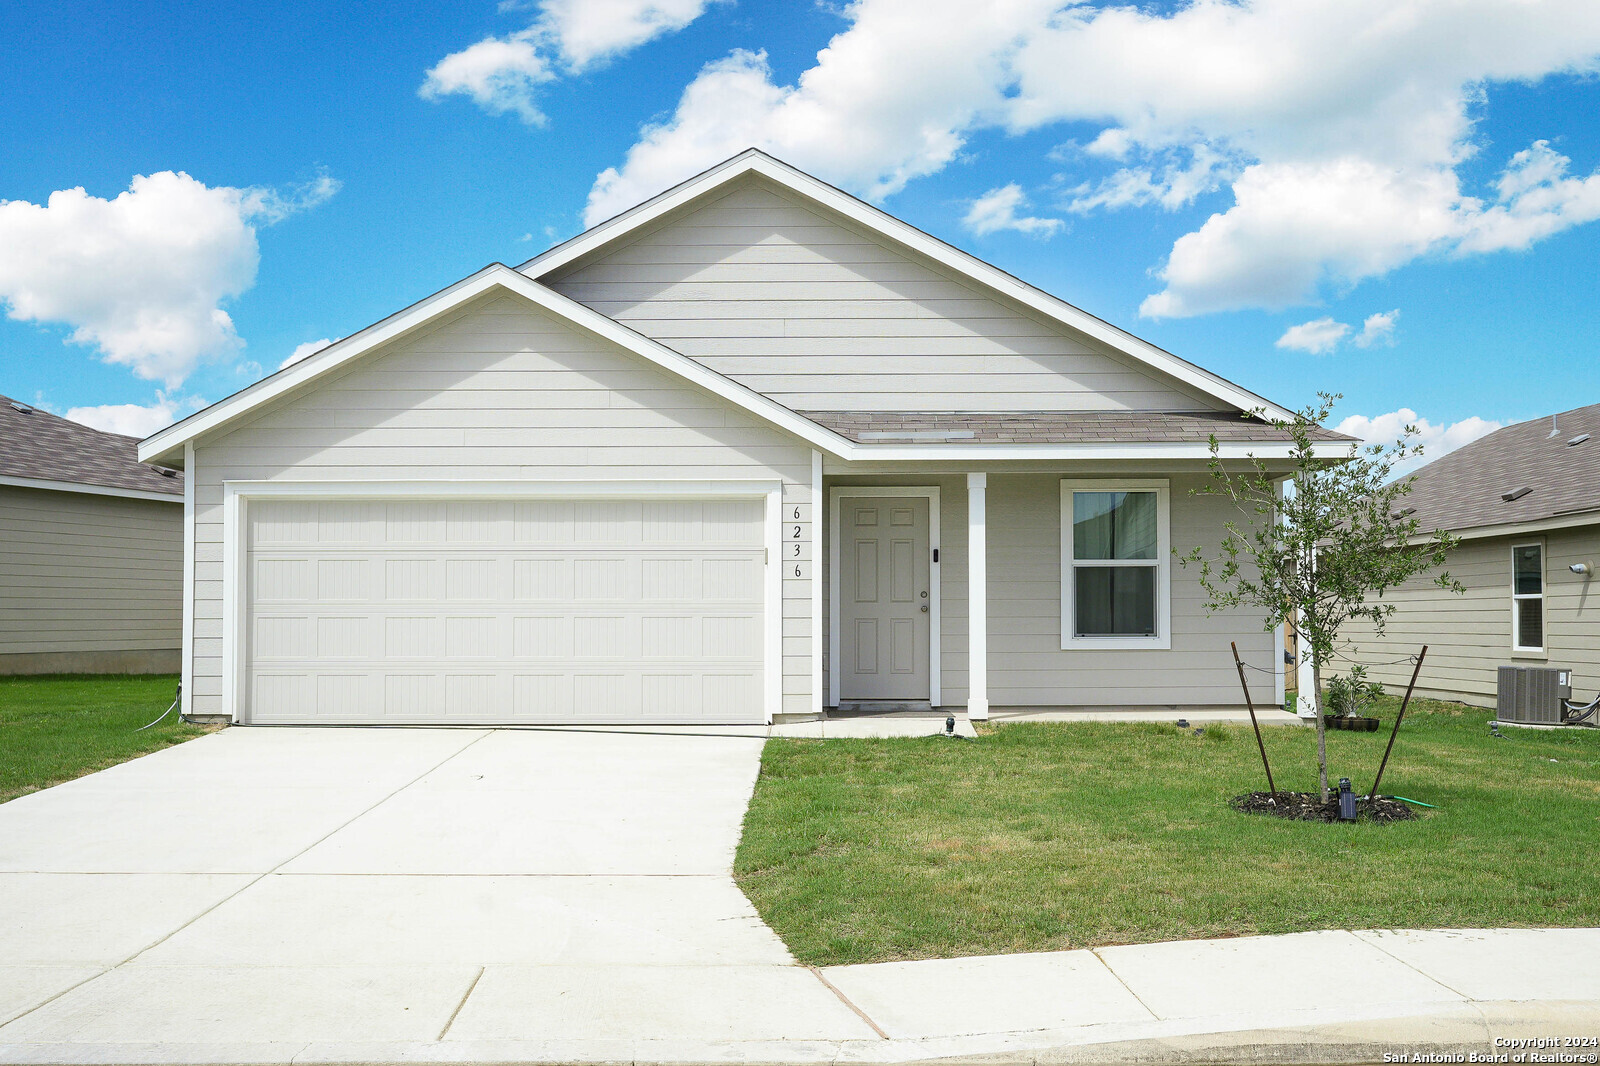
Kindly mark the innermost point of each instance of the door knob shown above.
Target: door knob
(924, 608)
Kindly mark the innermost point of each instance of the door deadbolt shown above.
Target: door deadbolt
(924, 595)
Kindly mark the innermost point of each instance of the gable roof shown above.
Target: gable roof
(167, 445)
(1467, 488)
(754, 161)
(44, 451)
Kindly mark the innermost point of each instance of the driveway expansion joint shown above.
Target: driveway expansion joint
(863, 1015)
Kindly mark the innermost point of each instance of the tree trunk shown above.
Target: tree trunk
(1322, 728)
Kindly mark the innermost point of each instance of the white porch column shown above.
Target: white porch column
(977, 597)
(1305, 703)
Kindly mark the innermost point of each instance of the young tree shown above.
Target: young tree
(1326, 552)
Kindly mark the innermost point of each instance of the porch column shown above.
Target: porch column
(977, 598)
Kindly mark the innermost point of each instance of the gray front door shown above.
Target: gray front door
(884, 616)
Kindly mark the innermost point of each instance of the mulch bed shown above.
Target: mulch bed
(1308, 807)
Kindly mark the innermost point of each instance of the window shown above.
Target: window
(1114, 557)
(1527, 597)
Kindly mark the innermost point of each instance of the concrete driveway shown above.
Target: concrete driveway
(273, 892)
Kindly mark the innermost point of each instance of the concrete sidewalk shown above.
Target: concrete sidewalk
(345, 895)
(1249, 1000)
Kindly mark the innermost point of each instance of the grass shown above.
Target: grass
(1042, 837)
(53, 729)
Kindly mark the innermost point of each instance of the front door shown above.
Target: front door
(885, 613)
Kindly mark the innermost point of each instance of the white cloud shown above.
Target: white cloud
(131, 419)
(1378, 329)
(996, 210)
(890, 99)
(309, 348)
(1436, 440)
(1339, 124)
(587, 31)
(1322, 335)
(502, 74)
(142, 277)
(1319, 336)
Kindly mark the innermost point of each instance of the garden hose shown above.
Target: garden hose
(176, 699)
(1419, 803)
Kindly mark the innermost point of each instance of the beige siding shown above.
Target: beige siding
(498, 390)
(1469, 636)
(86, 573)
(1027, 665)
(819, 316)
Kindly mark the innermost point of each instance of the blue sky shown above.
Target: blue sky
(1394, 200)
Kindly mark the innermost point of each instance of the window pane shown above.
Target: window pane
(1114, 601)
(1529, 569)
(1530, 623)
(1113, 525)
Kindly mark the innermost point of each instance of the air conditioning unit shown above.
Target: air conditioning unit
(1532, 695)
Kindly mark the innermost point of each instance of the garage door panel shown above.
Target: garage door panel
(542, 578)
(505, 611)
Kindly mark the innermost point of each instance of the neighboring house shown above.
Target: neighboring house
(1525, 501)
(753, 448)
(91, 551)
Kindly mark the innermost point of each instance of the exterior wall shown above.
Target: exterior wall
(1027, 665)
(499, 390)
(801, 306)
(1469, 636)
(89, 583)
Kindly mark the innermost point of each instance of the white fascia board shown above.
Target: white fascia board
(497, 275)
(1517, 529)
(863, 214)
(1108, 451)
(91, 490)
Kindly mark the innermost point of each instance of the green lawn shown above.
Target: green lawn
(1040, 837)
(53, 729)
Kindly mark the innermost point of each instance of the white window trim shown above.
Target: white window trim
(835, 494)
(1162, 640)
(1542, 597)
(236, 496)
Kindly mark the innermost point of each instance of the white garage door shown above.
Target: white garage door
(486, 611)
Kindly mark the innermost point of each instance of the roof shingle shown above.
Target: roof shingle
(40, 446)
(1054, 427)
(1467, 488)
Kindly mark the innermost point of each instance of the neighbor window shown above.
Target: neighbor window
(1114, 557)
(1527, 597)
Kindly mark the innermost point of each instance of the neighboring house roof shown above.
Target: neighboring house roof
(1057, 427)
(754, 161)
(1467, 488)
(41, 450)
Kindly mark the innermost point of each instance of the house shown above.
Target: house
(91, 550)
(1525, 501)
(751, 449)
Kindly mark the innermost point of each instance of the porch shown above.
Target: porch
(1025, 591)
